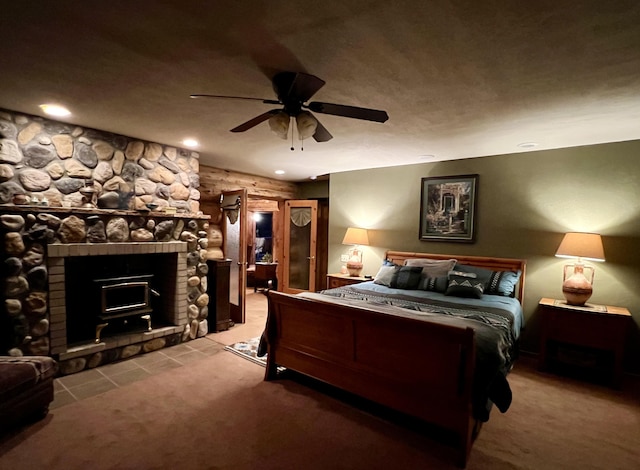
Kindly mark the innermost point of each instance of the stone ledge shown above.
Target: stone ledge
(12, 208)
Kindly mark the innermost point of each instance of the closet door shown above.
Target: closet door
(234, 207)
(299, 257)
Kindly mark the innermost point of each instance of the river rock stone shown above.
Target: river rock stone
(104, 150)
(203, 328)
(96, 232)
(6, 172)
(193, 281)
(118, 162)
(13, 307)
(141, 235)
(85, 154)
(161, 175)
(15, 286)
(72, 366)
(145, 186)
(68, 185)
(38, 277)
(75, 169)
(154, 344)
(12, 266)
(36, 303)
(72, 230)
(55, 170)
(39, 346)
(29, 132)
(50, 220)
(117, 230)
(64, 145)
(41, 327)
(192, 311)
(130, 350)
(10, 152)
(134, 150)
(169, 165)
(13, 244)
(34, 256)
(38, 156)
(203, 300)
(178, 191)
(12, 222)
(152, 152)
(164, 230)
(34, 180)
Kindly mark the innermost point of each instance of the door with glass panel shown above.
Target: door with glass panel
(299, 257)
(234, 208)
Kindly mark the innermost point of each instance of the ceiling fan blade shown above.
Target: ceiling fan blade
(321, 134)
(237, 98)
(348, 111)
(255, 121)
(296, 86)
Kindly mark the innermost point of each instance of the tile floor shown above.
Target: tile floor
(88, 383)
(92, 382)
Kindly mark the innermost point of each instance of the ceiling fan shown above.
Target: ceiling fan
(293, 90)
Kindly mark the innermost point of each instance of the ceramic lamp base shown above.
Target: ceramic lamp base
(354, 268)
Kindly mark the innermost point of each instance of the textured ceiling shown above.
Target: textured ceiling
(458, 79)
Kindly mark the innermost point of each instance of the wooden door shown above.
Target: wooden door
(234, 207)
(300, 243)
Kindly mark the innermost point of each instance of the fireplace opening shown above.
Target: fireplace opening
(118, 294)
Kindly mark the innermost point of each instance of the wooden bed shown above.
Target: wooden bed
(341, 345)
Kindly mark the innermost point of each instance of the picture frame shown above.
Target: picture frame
(448, 208)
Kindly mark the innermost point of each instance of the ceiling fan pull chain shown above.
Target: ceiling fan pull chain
(292, 131)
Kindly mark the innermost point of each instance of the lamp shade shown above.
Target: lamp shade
(279, 124)
(356, 236)
(581, 245)
(307, 125)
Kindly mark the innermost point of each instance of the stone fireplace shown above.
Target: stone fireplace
(51, 272)
(74, 199)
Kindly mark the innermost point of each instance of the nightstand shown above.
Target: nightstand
(340, 280)
(596, 333)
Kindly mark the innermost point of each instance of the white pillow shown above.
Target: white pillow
(432, 267)
(385, 275)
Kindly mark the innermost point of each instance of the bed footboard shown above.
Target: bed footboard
(420, 368)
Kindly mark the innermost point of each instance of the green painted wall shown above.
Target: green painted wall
(526, 202)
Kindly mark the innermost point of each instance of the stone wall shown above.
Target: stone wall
(49, 162)
(37, 240)
(62, 185)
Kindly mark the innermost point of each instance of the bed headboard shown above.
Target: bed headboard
(495, 264)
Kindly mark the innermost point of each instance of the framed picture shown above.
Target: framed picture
(448, 208)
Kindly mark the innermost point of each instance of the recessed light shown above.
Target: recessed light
(190, 142)
(279, 172)
(528, 145)
(55, 110)
(426, 157)
(313, 177)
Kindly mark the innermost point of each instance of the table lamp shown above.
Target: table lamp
(577, 285)
(356, 237)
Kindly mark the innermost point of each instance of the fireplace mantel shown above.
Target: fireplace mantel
(20, 209)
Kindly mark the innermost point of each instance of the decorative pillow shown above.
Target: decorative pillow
(432, 267)
(406, 277)
(385, 274)
(495, 282)
(465, 286)
(435, 284)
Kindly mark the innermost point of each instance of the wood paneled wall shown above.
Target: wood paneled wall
(214, 180)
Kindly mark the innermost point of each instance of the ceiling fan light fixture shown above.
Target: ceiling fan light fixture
(307, 125)
(279, 124)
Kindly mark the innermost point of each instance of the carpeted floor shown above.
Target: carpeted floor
(218, 413)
